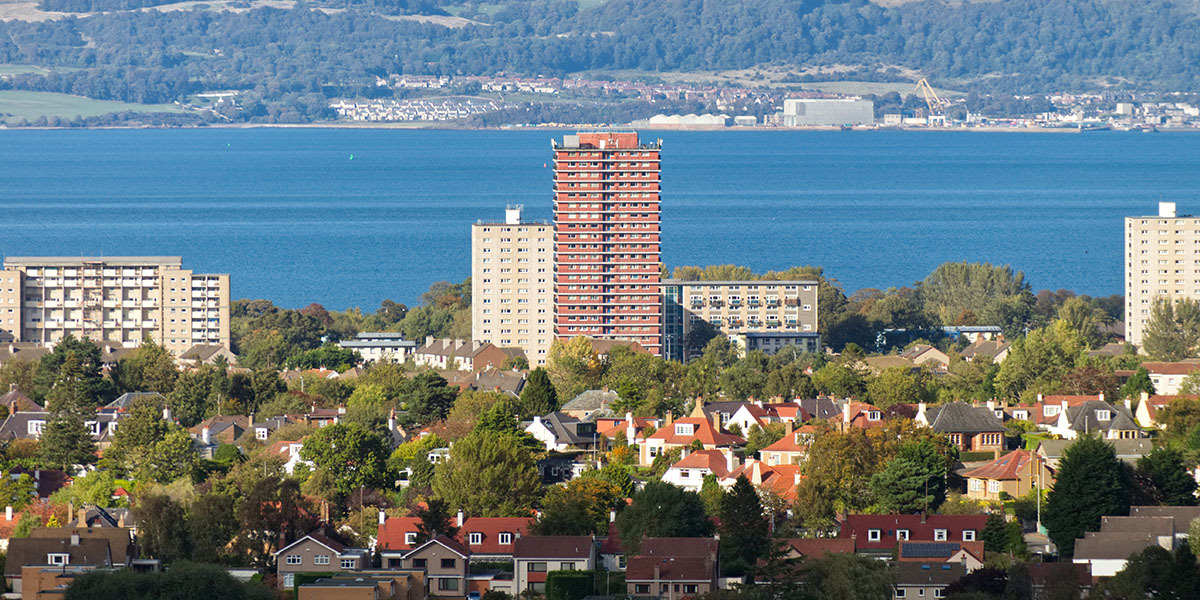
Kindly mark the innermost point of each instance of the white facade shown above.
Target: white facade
(1162, 261)
(512, 276)
(800, 112)
(381, 347)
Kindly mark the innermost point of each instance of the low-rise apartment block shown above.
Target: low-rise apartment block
(512, 296)
(755, 315)
(113, 299)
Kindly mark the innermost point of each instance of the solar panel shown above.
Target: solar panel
(929, 550)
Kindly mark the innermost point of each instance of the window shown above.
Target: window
(939, 535)
(976, 485)
(418, 563)
(449, 563)
(349, 563)
(536, 567)
(642, 589)
(690, 588)
(994, 486)
(58, 559)
(475, 538)
(289, 579)
(34, 428)
(567, 566)
(873, 535)
(621, 561)
(900, 593)
(968, 535)
(902, 535)
(447, 584)
(939, 593)
(410, 538)
(683, 474)
(261, 433)
(321, 559)
(294, 559)
(505, 538)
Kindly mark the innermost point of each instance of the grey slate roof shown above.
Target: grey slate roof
(35, 551)
(127, 399)
(820, 408)
(960, 417)
(1099, 545)
(1083, 418)
(16, 401)
(931, 574)
(591, 400)
(1127, 450)
(569, 430)
(487, 380)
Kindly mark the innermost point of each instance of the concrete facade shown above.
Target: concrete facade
(512, 272)
(755, 315)
(800, 112)
(114, 299)
(1162, 261)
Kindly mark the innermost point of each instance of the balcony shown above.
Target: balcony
(129, 283)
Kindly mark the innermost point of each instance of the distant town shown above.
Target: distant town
(576, 420)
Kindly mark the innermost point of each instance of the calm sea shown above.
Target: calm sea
(350, 217)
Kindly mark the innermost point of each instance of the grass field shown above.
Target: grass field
(21, 70)
(15, 105)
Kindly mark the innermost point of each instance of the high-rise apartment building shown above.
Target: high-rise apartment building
(113, 299)
(1162, 260)
(755, 315)
(607, 238)
(512, 302)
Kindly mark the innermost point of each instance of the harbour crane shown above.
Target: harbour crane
(937, 108)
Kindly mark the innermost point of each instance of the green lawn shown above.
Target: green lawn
(15, 105)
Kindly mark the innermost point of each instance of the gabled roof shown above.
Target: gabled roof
(792, 443)
(820, 408)
(452, 544)
(985, 348)
(817, 547)
(1083, 417)
(15, 401)
(591, 400)
(1098, 546)
(392, 533)
(713, 460)
(1171, 368)
(565, 428)
(1004, 468)
(35, 551)
(554, 546)
(960, 417)
(126, 400)
(679, 546)
(1126, 449)
(919, 529)
(928, 573)
(703, 430)
(207, 352)
(603, 347)
(333, 545)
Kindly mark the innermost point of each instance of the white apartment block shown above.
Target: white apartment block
(1162, 260)
(512, 293)
(117, 299)
(755, 315)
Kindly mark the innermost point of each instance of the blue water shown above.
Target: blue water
(293, 218)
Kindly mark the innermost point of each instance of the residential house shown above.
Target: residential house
(726, 411)
(562, 468)
(378, 585)
(792, 447)
(748, 416)
(601, 348)
(377, 346)
(1128, 450)
(968, 554)
(682, 433)
(1097, 417)
(1149, 407)
(124, 402)
(1106, 551)
(34, 554)
(879, 364)
(317, 553)
(798, 550)
(16, 401)
(485, 538)
(1014, 474)
(463, 355)
(559, 431)
(206, 354)
(923, 354)
(823, 409)
(778, 480)
(90, 516)
(508, 382)
(859, 415)
(995, 350)
(915, 580)
(880, 534)
(632, 428)
(689, 472)
(24, 351)
(263, 429)
(971, 428)
(221, 429)
(591, 404)
(289, 451)
(673, 568)
(29, 426)
(1168, 377)
(445, 562)
(535, 556)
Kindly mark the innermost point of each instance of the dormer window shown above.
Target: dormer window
(93, 428)
(261, 433)
(34, 428)
(999, 414)
(873, 535)
(1104, 415)
(968, 535)
(1021, 414)
(475, 538)
(939, 535)
(58, 559)
(902, 535)
(410, 538)
(683, 429)
(1050, 411)
(874, 415)
(505, 538)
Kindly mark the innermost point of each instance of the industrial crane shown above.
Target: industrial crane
(937, 108)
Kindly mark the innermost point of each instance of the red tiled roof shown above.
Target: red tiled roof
(676, 546)
(392, 533)
(704, 432)
(610, 427)
(612, 543)
(1004, 468)
(553, 546)
(1171, 368)
(713, 460)
(791, 443)
(1156, 403)
(788, 411)
(919, 530)
(817, 547)
(642, 568)
(858, 416)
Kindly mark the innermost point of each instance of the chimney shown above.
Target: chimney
(921, 409)
(392, 420)
(12, 387)
(787, 428)
(460, 518)
(1039, 398)
(8, 513)
(612, 516)
(1129, 404)
(74, 538)
(82, 522)
(670, 418)
(537, 420)
(716, 419)
(166, 413)
(683, 452)
(204, 437)
(382, 517)
(730, 461)
(758, 403)
(1145, 397)
(1101, 396)
(846, 412)
(991, 404)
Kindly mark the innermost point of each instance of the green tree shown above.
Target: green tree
(1172, 332)
(488, 475)
(995, 533)
(616, 474)
(840, 380)
(1091, 483)
(65, 439)
(16, 492)
(1038, 362)
(162, 527)
(138, 433)
(96, 487)
(428, 398)
(173, 457)
(839, 471)
(788, 382)
(538, 397)
(662, 510)
(744, 529)
(1137, 383)
(712, 494)
(182, 581)
(847, 577)
(573, 367)
(913, 481)
(1162, 478)
(581, 507)
(761, 437)
(150, 368)
(1083, 319)
(94, 388)
(1154, 573)
(434, 519)
(355, 457)
(211, 525)
(896, 385)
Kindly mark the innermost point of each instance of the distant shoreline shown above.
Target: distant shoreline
(561, 126)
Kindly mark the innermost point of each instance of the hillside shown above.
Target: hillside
(289, 56)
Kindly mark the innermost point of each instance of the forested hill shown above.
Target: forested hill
(291, 55)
